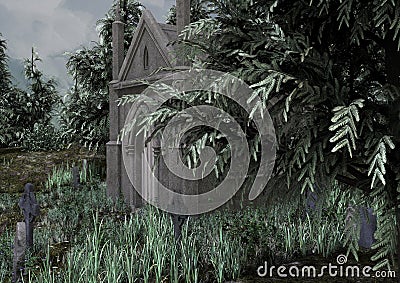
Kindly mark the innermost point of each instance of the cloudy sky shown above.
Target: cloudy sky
(57, 26)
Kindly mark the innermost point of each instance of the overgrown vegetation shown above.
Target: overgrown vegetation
(198, 11)
(19, 168)
(85, 113)
(5, 84)
(82, 236)
(26, 113)
(328, 73)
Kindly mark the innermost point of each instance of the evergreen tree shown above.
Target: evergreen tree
(5, 77)
(5, 84)
(25, 110)
(42, 96)
(85, 113)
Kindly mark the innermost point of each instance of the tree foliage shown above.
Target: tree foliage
(5, 84)
(198, 11)
(328, 72)
(5, 77)
(26, 110)
(85, 113)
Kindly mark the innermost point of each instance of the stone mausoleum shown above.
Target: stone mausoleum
(149, 51)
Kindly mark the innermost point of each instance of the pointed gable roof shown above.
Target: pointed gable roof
(160, 34)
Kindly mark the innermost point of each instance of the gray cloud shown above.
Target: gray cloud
(57, 26)
(94, 7)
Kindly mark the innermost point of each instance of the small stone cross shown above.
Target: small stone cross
(178, 221)
(76, 180)
(31, 209)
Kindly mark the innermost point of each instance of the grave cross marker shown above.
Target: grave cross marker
(30, 209)
(19, 252)
(76, 178)
(178, 221)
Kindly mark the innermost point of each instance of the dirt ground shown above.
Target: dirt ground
(18, 167)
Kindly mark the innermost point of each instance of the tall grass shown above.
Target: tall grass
(103, 242)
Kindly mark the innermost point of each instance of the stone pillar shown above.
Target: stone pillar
(149, 172)
(182, 14)
(182, 20)
(117, 43)
(114, 160)
(113, 147)
(114, 115)
(19, 251)
(131, 196)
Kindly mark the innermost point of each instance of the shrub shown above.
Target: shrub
(43, 137)
(22, 110)
(85, 113)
